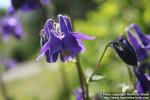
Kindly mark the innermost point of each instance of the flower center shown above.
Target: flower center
(12, 22)
(66, 53)
(57, 31)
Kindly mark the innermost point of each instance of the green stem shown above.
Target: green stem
(99, 61)
(84, 80)
(132, 79)
(80, 76)
(3, 89)
(134, 83)
(87, 90)
(64, 80)
(130, 73)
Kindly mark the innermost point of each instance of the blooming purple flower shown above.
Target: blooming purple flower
(27, 5)
(60, 39)
(11, 25)
(78, 94)
(141, 52)
(125, 50)
(143, 84)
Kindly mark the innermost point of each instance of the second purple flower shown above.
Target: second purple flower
(11, 25)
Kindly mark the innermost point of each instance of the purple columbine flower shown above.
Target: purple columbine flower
(60, 39)
(27, 5)
(143, 78)
(78, 94)
(125, 51)
(11, 25)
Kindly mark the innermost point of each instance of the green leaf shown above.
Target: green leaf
(96, 78)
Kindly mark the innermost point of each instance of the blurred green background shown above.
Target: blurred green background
(104, 19)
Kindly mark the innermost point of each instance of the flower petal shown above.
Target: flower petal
(48, 26)
(147, 47)
(55, 47)
(81, 45)
(55, 44)
(148, 36)
(51, 57)
(51, 49)
(143, 38)
(43, 50)
(82, 36)
(126, 53)
(11, 10)
(141, 53)
(68, 22)
(125, 50)
(63, 25)
(139, 87)
(143, 82)
(69, 42)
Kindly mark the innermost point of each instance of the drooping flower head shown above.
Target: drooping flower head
(11, 25)
(27, 5)
(143, 78)
(125, 51)
(59, 39)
